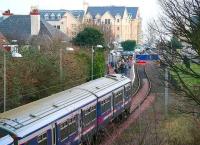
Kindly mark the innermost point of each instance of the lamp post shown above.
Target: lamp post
(98, 46)
(14, 54)
(4, 81)
(61, 60)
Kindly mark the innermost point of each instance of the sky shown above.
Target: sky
(148, 8)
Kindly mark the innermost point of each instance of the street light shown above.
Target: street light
(98, 46)
(67, 49)
(14, 54)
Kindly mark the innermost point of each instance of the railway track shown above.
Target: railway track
(140, 97)
(144, 88)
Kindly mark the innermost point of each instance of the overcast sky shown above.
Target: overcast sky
(148, 8)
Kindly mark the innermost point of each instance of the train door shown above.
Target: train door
(53, 130)
(112, 105)
(79, 122)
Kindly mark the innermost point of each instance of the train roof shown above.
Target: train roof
(28, 118)
(6, 140)
(104, 85)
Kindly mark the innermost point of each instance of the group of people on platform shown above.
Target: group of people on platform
(123, 65)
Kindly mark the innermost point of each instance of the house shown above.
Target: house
(68, 21)
(25, 28)
(124, 22)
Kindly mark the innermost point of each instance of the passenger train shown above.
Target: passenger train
(68, 117)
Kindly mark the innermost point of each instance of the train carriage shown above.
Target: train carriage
(52, 120)
(68, 117)
(113, 94)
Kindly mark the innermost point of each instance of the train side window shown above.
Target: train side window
(68, 127)
(89, 115)
(128, 91)
(106, 104)
(42, 139)
(118, 97)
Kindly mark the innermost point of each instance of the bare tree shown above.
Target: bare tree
(181, 19)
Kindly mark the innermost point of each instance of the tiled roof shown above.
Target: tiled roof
(53, 15)
(78, 14)
(56, 15)
(18, 27)
(113, 10)
(1, 19)
(101, 10)
(133, 11)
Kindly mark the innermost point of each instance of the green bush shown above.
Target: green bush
(129, 45)
(89, 37)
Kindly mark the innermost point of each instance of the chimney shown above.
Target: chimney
(85, 6)
(7, 14)
(35, 21)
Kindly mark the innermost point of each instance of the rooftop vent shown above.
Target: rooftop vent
(33, 115)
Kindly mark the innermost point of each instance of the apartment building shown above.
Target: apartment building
(68, 21)
(124, 22)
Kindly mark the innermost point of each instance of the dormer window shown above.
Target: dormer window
(53, 16)
(58, 16)
(130, 16)
(46, 16)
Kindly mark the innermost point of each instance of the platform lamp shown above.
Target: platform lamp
(7, 48)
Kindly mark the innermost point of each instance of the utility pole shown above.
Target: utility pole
(61, 69)
(92, 61)
(4, 80)
(166, 91)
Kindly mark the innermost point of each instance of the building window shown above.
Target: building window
(117, 20)
(99, 21)
(107, 21)
(118, 28)
(52, 16)
(73, 25)
(46, 17)
(58, 16)
(58, 27)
